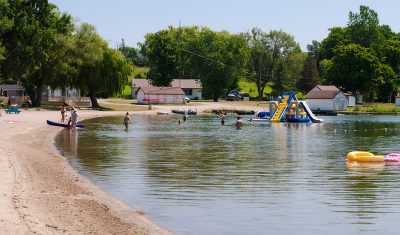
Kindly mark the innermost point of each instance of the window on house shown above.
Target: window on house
(188, 92)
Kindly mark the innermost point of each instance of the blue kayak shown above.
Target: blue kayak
(63, 124)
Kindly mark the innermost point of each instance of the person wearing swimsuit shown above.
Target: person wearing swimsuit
(127, 120)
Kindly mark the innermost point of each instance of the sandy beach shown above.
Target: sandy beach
(41, 194)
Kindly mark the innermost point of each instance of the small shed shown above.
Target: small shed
(12, 94)
(398, 100)
(351, 99)
(326, 99)
(164, 95)
(11, 90)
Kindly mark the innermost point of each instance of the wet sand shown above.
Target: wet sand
(41, 194)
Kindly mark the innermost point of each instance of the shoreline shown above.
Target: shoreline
(367, 113)
(41, 193)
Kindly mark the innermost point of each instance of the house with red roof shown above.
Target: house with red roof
(326, 99)
(191, 87)
(160, 95)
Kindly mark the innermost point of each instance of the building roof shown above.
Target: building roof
(186, 83)
(11, 88)
(182, 83)
(327, 88)
(327, 94)
(161, 90)
(138, 82)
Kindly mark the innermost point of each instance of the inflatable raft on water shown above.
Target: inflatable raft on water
(361, 156)
(392, 157)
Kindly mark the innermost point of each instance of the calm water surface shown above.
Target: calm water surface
(203, 178)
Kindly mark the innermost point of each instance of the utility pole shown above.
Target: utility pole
(180, 53)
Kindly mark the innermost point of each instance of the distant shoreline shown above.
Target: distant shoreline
(367, 113)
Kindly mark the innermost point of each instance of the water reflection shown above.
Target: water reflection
(73, 141)
(200, 177)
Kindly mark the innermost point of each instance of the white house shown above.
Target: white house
(191, 87)
(70, 96)
(351, 99)
(11, 90)
(398, 100)
(12, 94)
(164, 95)
(326, 98)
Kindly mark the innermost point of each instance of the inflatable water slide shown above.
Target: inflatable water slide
(288, 109)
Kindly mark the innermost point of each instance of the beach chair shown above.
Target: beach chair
(13, 110)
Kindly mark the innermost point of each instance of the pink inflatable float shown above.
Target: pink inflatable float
(393, 157)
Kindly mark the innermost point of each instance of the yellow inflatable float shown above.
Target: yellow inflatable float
(361, 156)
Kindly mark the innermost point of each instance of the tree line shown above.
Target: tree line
(40, 47)
(220, 59)
(361, 58)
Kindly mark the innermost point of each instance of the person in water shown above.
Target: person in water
(63, 114)
(127, 120)
(73, 118)
(222, 117)
(185, 116)
(239, 123)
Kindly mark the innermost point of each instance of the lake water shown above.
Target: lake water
(204, 178)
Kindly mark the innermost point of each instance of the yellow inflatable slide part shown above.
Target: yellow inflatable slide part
(361, 156)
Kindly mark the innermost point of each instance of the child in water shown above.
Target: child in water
(239, 123)
(222, 117)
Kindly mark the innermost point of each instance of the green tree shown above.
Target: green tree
(271, 58)
(390, 53)
(99, 68)
(5, 24)
(294, 65)
(161, 51)
(218, 59)
(167, 56)
(369, 70)
(337, 37)
(314, 49)
(354, 68)
(364, 29)
(309, 75)
(324, 67)
(32, 44)
(258, 59)
(132, 54)
(387, 83)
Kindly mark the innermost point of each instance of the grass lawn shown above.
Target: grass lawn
(375, 107)
(251, 88)
(119, 104)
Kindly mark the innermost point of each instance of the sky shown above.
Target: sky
(306, 20)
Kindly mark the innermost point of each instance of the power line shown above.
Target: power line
(219, 62)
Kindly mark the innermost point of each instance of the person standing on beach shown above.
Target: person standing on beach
(127, 120)
(74, 118)
(63, 114)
